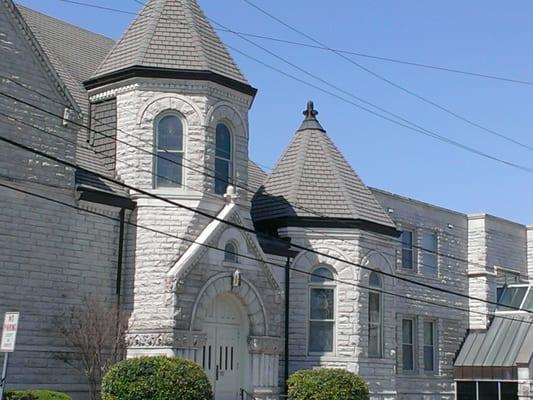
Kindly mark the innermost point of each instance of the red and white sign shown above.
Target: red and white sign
(9, 332)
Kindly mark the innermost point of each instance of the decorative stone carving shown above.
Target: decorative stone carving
(155, 339)
(265, 345)
(176, 339)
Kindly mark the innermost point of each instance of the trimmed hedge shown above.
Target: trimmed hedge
(156, 378)
(36, 395)
(327, 384)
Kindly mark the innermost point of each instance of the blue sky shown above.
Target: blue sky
(479, 36)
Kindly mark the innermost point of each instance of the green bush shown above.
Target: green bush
(327, 384)
(156, 378)
(36, 395)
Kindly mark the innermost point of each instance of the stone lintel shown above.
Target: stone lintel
(265, 345)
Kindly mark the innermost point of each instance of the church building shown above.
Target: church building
(125, 176)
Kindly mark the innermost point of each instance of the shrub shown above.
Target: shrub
(36, 395)
(327, 384)
(156, 378)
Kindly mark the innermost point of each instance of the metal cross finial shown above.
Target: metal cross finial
(310, 113)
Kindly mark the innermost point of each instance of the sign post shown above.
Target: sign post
(7, 345)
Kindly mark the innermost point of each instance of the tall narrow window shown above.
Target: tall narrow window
(169, 151)
(223, 159)
(408, 341)
(321, 311)
(429, 346)
(375, 317)
(407, 249)
(429, 264)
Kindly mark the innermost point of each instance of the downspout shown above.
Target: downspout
(120, 255)
(287, 304)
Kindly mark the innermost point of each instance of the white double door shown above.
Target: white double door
(224, 355)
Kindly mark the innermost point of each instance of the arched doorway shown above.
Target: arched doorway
(225, 355)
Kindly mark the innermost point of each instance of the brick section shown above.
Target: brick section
(104, 130)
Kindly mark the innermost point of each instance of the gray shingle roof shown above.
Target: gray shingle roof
(256, 176)
(74, 53)
(171, 34)
(313, 175)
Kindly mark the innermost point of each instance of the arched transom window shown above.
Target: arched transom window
(223, 159)
(321, 330)
(169, 151)
(375, 316)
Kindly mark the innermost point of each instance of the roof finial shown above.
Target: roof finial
(310, 113)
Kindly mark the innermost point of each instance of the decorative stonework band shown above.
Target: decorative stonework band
(176, 339)
(265, 345)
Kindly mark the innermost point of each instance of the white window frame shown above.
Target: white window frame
(412, 344)
(379, 292)
(322, 285)
(412, 249)
(422, 266)
(232, 155)
(434, 346)
(156, 151)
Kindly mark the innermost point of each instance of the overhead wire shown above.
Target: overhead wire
(392, 83)
(238, 226)
(260, 260)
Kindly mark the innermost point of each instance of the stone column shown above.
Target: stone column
(264, 353)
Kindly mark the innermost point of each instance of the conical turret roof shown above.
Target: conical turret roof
(313, 182)
(171, 35)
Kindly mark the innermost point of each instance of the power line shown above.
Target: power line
(241, 227)
(344, 51)
(266, 262)
(392, 83)
(457, 259)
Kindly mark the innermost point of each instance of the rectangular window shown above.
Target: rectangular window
(488, 390)
(429, 262)
(429, 346)
(408, 359)
(407, 249)
(374, 324)
(466, 390)
(321, 320)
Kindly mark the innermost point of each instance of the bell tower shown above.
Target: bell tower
(179, 105)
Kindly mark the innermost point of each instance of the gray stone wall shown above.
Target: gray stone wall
(51, 256)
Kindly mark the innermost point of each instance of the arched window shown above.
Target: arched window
(230, 253)
(169, 151)
(375, 316)
(321, 330)
(223, 159)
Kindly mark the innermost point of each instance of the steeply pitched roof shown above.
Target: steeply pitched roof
(171, 34)
(313, 179)
(74, 53)
(256, 176)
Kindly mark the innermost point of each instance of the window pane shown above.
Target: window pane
(528, 305)
(407, 331)
(374, 307)
(374, 342)
(509, 391)
(322, 303)
(512, 296)
(429, 358)
(429, 264)
(428, 333)
(407, 364)
(407, 249)
(429, 242)
(375, 280)
(230, 253)
(168, 169)
(170, 133)
(488, 390)
(222, 175)
(466, 391)
(325, 275)
(320, 337)
(223, 142)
